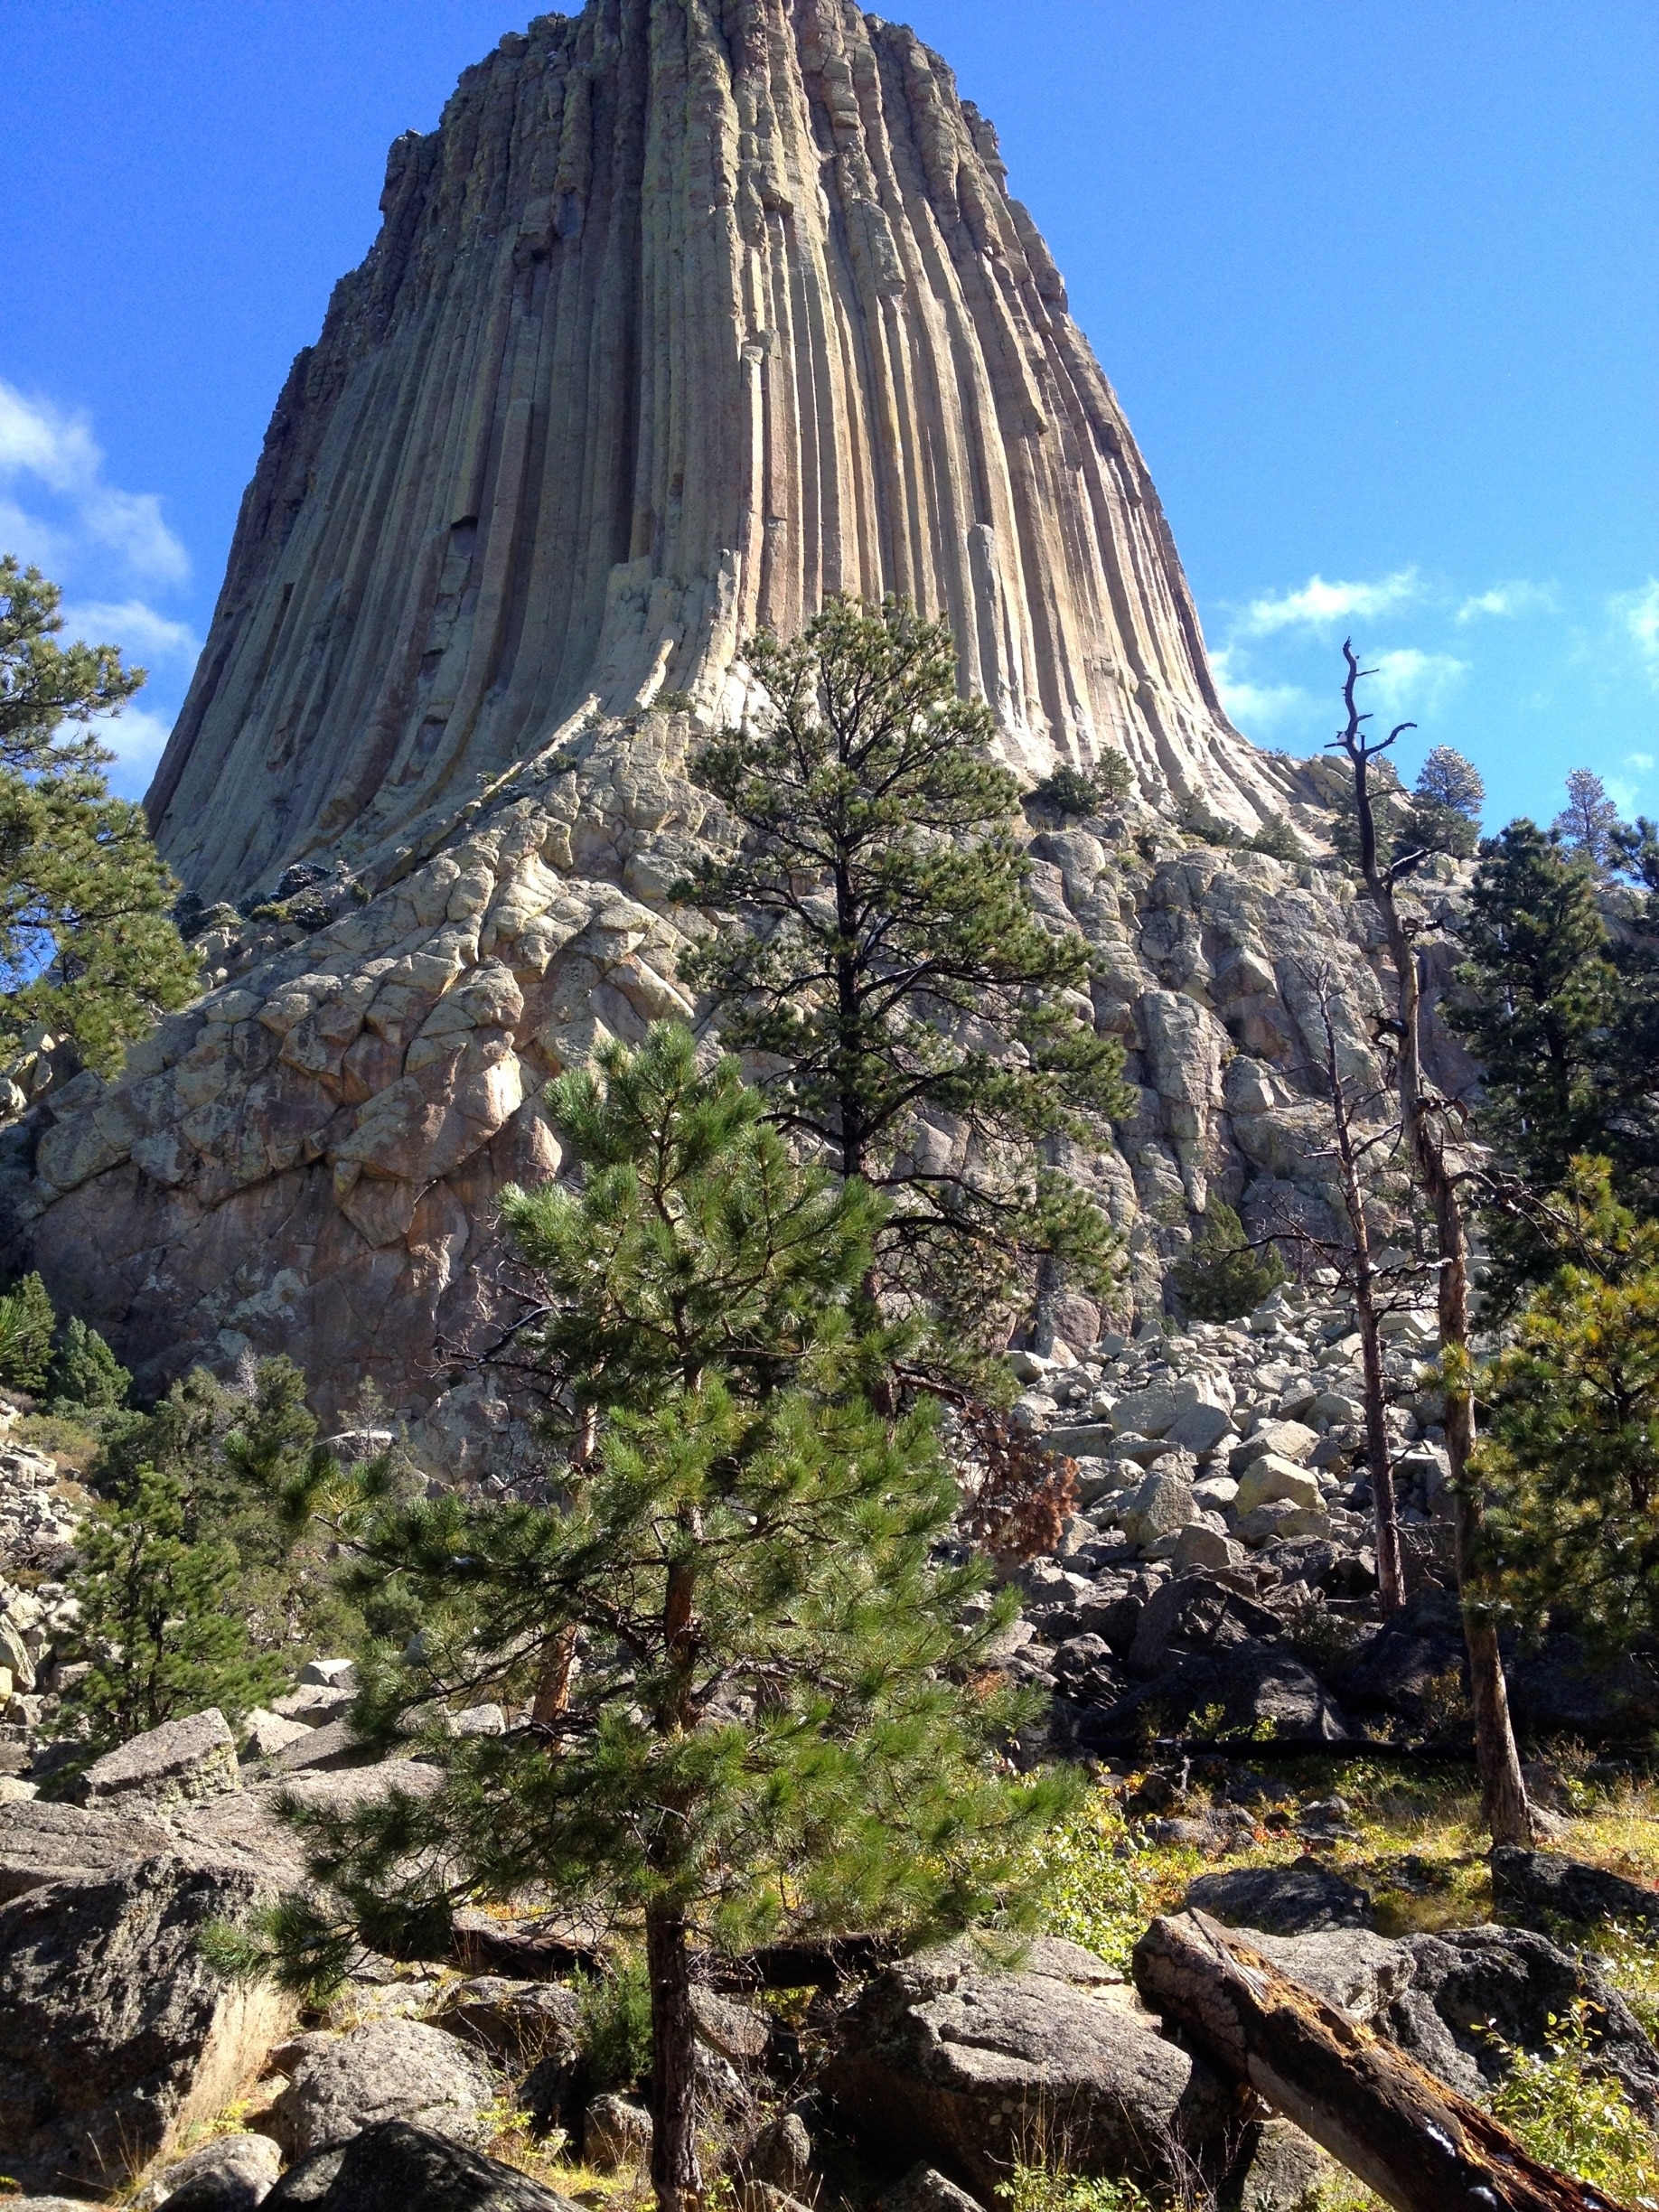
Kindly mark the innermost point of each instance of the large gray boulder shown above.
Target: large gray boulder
(1529, 1883)
(229, 2173)
(1293, 1900)
(176, 1764)
(393, 2069)
(115, 2035)
(1474, 1991)
(1254, 1685)
(394, 2166)
(41, 1842)
(948, 2057)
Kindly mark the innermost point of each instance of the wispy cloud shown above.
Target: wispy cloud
(137, 739)
(1506, 601)
(1411, 682)
(1639, 611)
(1253, 705)
(56, 450)
(1321, 605)
(1640, 761)
(138, 630)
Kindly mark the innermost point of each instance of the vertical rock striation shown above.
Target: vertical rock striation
(689, 313)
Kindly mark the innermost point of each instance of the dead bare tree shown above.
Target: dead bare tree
(1424, 1116)
(1362, 1144)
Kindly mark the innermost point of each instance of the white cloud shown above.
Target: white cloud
(137, 739)
(1640, 611)
(1317, 605)
(1640, 761)
(1622, 792)
(1508, 600)
(59, 452)
(1260, 706)
(1407, 681)
(138, 630)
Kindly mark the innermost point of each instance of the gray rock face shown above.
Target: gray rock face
(396, 2167)
(523, 2021)
(1474, 1989)
(960, 2061)
(458, 560)
(1295, 1901)
(1545, 1882)
(393, 2069)
(178, 1763)
(115, 2034)
(616, 2134)
(232, 2173)
(925, 2190)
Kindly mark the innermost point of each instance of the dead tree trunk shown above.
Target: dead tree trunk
(1504, 1805)
(1351, 1150)
(1420, 2145)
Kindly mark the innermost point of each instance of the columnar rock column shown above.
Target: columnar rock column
(687, 315)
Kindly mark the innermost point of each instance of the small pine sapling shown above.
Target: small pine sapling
(1223, 1276)
(159, 1623)
(85, 1375)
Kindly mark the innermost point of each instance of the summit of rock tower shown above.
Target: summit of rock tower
(683, 318)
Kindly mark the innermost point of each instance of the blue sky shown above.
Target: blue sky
(1376, 283)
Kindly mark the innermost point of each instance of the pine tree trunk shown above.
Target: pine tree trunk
(675, 2173)
(1504, 1806)
(1386, 1511)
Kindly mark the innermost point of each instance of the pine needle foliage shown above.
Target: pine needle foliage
(236, 1457)
(1223, 1277)
(27, 1326)
(925, 1031)
(88, 947)
(85, 1377)
(766, 1724)
(1571, 1453)
(159, 1622)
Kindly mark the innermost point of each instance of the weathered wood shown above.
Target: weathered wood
(1419, 2145)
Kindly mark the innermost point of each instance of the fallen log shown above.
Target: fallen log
(1420, 2145)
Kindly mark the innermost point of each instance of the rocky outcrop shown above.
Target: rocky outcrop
(394, 2069)
(677, 321)
(115, 2035)
(395, 2166)
(948, 2054)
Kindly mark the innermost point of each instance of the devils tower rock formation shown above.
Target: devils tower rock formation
(687, 315)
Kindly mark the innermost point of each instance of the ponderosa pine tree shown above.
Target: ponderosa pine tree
(27, 1326)
(159, 1622)
(769, 1726)
(886, 962)
(1223, 1276)
(87, 946)
(1570, 1457)
(1588, 824)
(1444, 815)
(1539, 1006)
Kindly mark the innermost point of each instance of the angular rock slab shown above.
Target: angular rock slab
(115, 2036)
(393, 2069)
(179, 1763)
(395, 2166)
(948, 2056)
